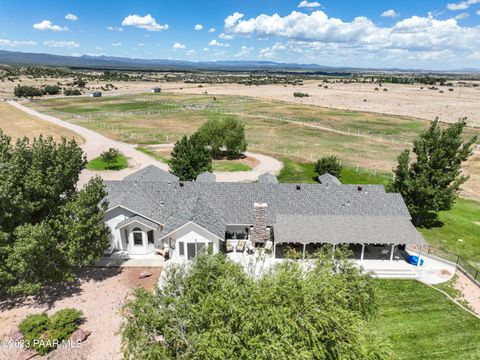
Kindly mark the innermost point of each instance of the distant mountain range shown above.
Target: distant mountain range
(119, 63)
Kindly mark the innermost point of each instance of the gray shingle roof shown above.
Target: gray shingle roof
(268, 178)
(346, 229)
(139, 219)
(151, 173)
(206, 177)
(329, 179)
(214, 205)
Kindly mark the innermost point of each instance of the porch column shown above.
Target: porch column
(333, 252)
(303, 257)
(420, 256)
(363, 252)
(274, 250)
(391, 252)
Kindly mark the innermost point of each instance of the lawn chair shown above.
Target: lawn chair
(240, 246)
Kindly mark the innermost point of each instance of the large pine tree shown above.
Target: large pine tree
(432, 180)
(190, 157)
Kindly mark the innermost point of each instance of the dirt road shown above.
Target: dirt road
(95, 144)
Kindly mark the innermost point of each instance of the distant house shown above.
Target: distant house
(96, 94)
(156, 90)
(151, 210)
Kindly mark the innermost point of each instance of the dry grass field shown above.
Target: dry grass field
(284, 130)
(405, 100)
(17, 124)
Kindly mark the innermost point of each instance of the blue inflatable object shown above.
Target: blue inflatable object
(413, 259)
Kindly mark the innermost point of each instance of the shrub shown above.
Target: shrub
(328, 164)
(299, 94)
(51, 90)
(110, 155)
(64, 322)
(42, 333)
(27, 92)
(72, 92)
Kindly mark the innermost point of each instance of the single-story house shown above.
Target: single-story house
(156, 90)
(151, 211)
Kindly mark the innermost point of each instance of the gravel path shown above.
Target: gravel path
(470, 291)
(99, 293)
(96, 143)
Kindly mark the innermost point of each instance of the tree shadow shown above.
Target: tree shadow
(52, 293)
(430, 221)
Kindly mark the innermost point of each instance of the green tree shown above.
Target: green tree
(432, 180)
(214, 310)
(47, 226)
(51, 90)
(227, 135)
(190, 158)
(110, 156)
(328, 164)
(27, 92)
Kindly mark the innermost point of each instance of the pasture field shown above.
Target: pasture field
(17, 124)
(421, 323)
(287, 130)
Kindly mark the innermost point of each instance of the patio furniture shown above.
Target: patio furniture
(164, 252)
(268, 245)
(229, 246)
(240, 246)
(250, 248)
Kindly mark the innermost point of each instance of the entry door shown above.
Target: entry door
(190, 250)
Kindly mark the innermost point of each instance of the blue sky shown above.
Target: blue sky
(409, 34)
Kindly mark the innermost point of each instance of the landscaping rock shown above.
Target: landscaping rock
(144, 274)
(80, 335)
(160, 339)
(16, 336)
(27, 354)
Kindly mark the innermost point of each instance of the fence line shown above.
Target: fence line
(469, 270)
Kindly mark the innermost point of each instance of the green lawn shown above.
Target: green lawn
(121, 162)
(152, 153)
(423, 324)
(294, 172)
(462, 222)
(229, 166)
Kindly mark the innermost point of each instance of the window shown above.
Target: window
(137, 237)
(150, 236)
(171, 243)
(181, 249)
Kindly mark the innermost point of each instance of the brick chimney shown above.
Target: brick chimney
(259, 232)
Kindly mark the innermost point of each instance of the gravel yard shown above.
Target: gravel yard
(99, 293)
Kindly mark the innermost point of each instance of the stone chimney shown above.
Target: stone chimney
(259, 232)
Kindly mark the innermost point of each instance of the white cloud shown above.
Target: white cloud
(178, 45)
(71, 17)
(245, 51)
(115, 44)
(270, 52)
(146, 22)
(13, 43)
(477, 12)
(211, 30)
(111, 28)
(475, 55)
(140, 44)
(462, 5)
(61, 44)
(47, 25)
(225, 36)
(214, 42)
(98, 48)
(390, 13)
(190, 52)
(198, 27)
(308, 4)
(414, 34)
(462, 16)
(231, 20)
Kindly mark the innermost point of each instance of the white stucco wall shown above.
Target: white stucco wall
(190, 233)
(112, 219)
